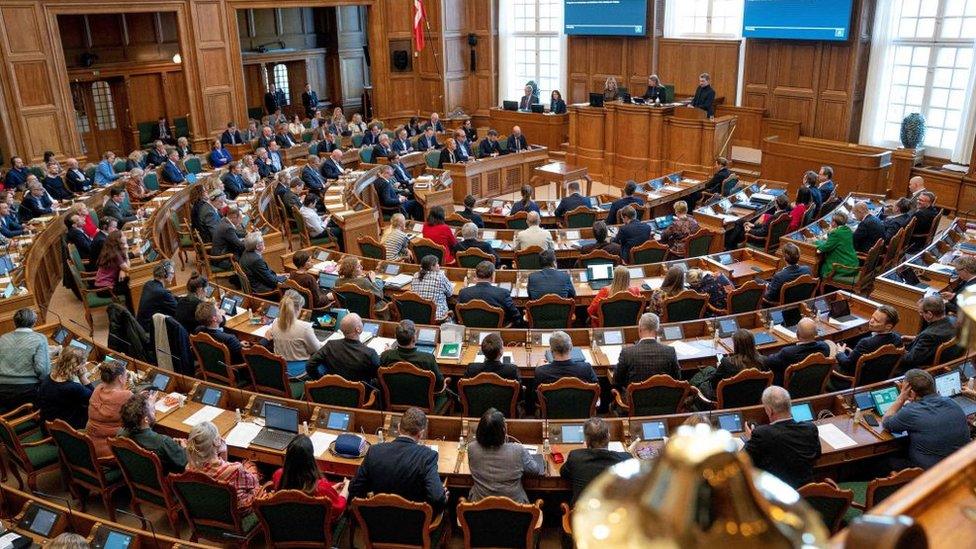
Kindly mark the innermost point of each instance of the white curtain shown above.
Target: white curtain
(879, 76)
(962, 152)
(506, 50)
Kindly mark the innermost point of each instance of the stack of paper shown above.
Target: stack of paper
(612, 352)
(399, 280)
(380, 344)
(321, 441)
(242, 434)
(789, 335)
(834, 437)
(588, 355)
(683, 349)
(207, 413)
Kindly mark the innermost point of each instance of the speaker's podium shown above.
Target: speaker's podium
(694, 140)
(238, 151)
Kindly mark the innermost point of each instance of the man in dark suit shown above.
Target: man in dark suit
(826, 177)
(792, 271)
(234, 182)
(806, 345)
(485, 290)
(785, 448)
(259, 274)
(9, 224)
(156, 297)
(312, 175)
(400, 174)
(882, 324)
(810, 180)
(405, 466)
(704, 95)
(54, 184)
(563, 364)
(265, 167)
(332, 168)
(585, 464)
(722, 172)
(493, 348)
(923, 216)
(469, 239)
(655, 91)
(517, 141)
(348, 357)
(469, 213)
(627, 199)
(157, 155)
(328, 144)
(489, 145)
(631, 233)
(106, 225)
(16, 177)
(231, 136)
(647, 357)
(463, 145)
(572, 201)
(938, 328)
(869, 228)
(434, 123)
(75, 178)
(36, 203)
(172, 173)
(401, 144)
(283, 138)
(382, 148)
(228, 236)
(310, 100)
(160, 132)
(267, 137)
(549, 280)
(449, 154)
(894, 223)
(115, 207)
(204, 217)
(372, 137)
(76, 235)
(390, 198)
(965, 266)
(274, 99)
(428, 141)
(210, 317)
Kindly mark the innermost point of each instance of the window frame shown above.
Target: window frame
(672, 23)
(537, 35)
(281, 84)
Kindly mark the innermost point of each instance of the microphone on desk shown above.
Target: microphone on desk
(144, 522)
(67, 503)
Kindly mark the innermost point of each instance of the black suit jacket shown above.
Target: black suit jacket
(260, 275)
(227, 239)
(204, 218)
(655, 92)
(487, 148)
(235, 185)
(493, 295)
(82, 242)
(310, 100)
(35, 206)
(448, 157)
(866, 345)
(330, 170)
(793, 354)
(714, 184)
(155, 158)
(505, 370)
(230, 340)
(921, 351)
(284, 141)
(786, 449)
(621, 203)
(274, 101)
(868, 231)
(558, 369)
(585, 464)
(924, 218)
(351, 360)
(787, 274)
(480, 244)
(56, 188)
(569, 204)
(894, 224)
(631, 235)
(644, 359)
(77, 181)
(231, 138)
(313, 179)
(96, 249)
(424, 144)
(124, 215)
(186, 310)
(550, 281)
(473, 217)
(156, 298)
(517, 143)
(704, 99)
(402, 467)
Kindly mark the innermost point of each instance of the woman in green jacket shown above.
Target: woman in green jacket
(838, 248)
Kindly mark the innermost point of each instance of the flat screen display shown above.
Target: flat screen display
(730, 422)
(210, 396)
(802, 412)
(572, 434)
(884, 398)
(338, 421)
(797, 19)
(948, 385)
(117, 540)
(653, 430)
(606, 17)
(43, 522)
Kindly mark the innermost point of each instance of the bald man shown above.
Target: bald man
(347, 357)
(806, 344)
(516, 141)
(332, 168)
(785, 448)
(534, 235)
(869, 228)
(916, 186)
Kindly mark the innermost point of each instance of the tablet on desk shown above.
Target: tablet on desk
(673, 333)
(730, 422)
(653, 430)
(613, 337)
(338, 421)
(210, 396)
(884, 398)
(802, 412)
(863, 401)
(727, 327)
(572, 434)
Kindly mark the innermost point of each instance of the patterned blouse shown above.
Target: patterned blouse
(242, 476)
(396, 245)
(435, 287)
(715, 288)
(680, 229)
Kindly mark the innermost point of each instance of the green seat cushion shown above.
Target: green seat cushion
(152, 498)
(297, 389)
(27, 426)
(186, 241)
(42, 456)
(95, 300)
(248, 524)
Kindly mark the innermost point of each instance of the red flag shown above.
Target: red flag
(418, 33)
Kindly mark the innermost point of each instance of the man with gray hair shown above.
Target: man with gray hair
(24, 361)
(647, 357)
(785, 448)
(564, 362)
(469, 239)
(533, 235)
(156, 296)
(227, 238)
(348, 357)
(869, 228)
(262, 279)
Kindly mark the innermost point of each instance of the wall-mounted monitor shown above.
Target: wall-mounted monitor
(606, 18)
(797, 19)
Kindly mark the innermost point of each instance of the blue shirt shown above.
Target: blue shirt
(105, 173)
(936, 427)
(220, 157)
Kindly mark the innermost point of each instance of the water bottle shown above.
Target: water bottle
(237, 415)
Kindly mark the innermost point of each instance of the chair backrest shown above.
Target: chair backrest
(372, 248)
(597, 257)
(906, 240)
(950, 350)
(335, 390)
(777, 228)
(293, 519)
(528, 258)
(518, 220)
(620, 309)
(213, 358)
(142, 470)
(699, 243)
(356, 299)
(10, 439)
(829, 501)
(880, 488)
(488, 390)
(686, 305)
(893, 248)
(411, 306)
(659, 394)
(432, 158)
(745, 298)
(470, 258)
(151, 180)
(78, 457)
(290, 284)
(192, 164)
(242, 279)
(208, 504)
(390, 521)
(366, 155)
(477, 313)
(809, 376)
(743, 389)
(357, 140)
(550, 312)
(871, 261)
(269, 372)
(405, 385)
(422, 247)
(650, 251)
(580, 217)
(568, 398)
(877, 366)
(480, 522)
(800, 288)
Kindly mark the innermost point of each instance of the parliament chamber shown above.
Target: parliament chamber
(357, 273)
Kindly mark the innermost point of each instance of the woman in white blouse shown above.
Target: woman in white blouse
(294, 339)
(250, 169)
(431, 283)
(357, 125)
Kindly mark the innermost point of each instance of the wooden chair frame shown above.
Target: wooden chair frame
(237, 515)
(551, 299)
(245, 283)
(369, 240)
(480, 304)
(353, 289)
(864, 279)
(896, 478)
(885, 350)
(768, 243)
(534, 510)
(414, 298)
(512, 221)
(799, 281)
(474, 252)
(211, 377)
(748, 286)
(828, 490)
(393, 500)
(260, 351)
(657, 380)
(684, 294)
(599, 320)
(567, 383)
(403, 367)
(645, 246)
(421, 241)
(367, 398)
(10, 421)
(530, 251)
(748, 374)
(294, 496)
(103, 488)
(578, 211)
(489, 378)
(172, 508)
(597, 254)
(811, 361)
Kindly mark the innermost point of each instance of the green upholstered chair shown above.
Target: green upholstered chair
(90, 171)
(517, 221)
(686, 305)
(77, 261)
(657, 395)
(551, 312)
(619, 309)
(182, 127)
(568, 398)
(770, 241)
(335, 390)
(650, 251)
(745, 298)
(488, 390)
(245, 284)
(25, 447)
(669, 93)
(183, 232)
(503, 143)
(269, 373)
(366, 155)
(410, 306)
(371, 248)
(874, 367)
(808, 377)
(880, 488)
(210, 507)
(293, 519)
(145, 133)
(478, 313)
(829, 501)
(579, 218)
(743, 389)
(118, 166)
(357, 140)
(91, 298)
(307, 241)
(700, 243)
(151, 180)
(422, 247)
(357, 300)
(255, 113)
(405, 385)
(143, 473)
(307, 138)
(192, 164)
(480, 522)
(37, 172)
(215, 362)
(470, 258)
(528, 259)
(84, 471)
(390, 521)
(432, 158)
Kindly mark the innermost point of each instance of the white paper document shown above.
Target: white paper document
(207, 413)
(834, 437)
(242, 434)
(683, 349)
(612, 352)
(433, 447)
(587, 355)
(789, 335)
(616, 446)
(380, 344)
(262, 331)
(321, 441)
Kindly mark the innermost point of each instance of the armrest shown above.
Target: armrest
(41, 442)
(716, 310)
(15, 418)
(567, 517)
(710, 403)
(838, 375)
(619, 401)
(220, 257)
(371, 401)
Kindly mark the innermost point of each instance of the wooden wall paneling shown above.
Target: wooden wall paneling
(353, 72)
(219, 92)
(680, 62)
(950, 188)
(856, 167)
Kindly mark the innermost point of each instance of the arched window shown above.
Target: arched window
(280, 74)
(104, 106)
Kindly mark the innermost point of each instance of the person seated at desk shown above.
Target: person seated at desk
(351, 272)
(937, 329)
(470, 132)
(572, 201)
(469, 239)
(186, 305)
(24, 361)
(157, 155)
(489, 147)
(434, 123)
(314, 222)
(228, 237)
(563, 364)
(105, 171)
(610, 89)
(556, 103)
(744, 355)
(680, 229)
(716, 287)
(326, 137)
(293, 338)
(529, 99)
(332, 168)
(10, 226)
(583, 465)
(869, 228)
(965, 266)
(234, 182)
(628, 199)
(484, 289)
(704, 95)
(497, 466)
(204, 215)
(401, 175)
(413, 127)
(436, 230)
(406, 351)
(806, 345)
(469, 213)
(210, 317)
(390, 198)
(311, 175)
(402, 143)
(172, 172)
(516, 141)
(781, 205)
(647, 357)
(655, 93)
(525, 204)
(114, 266)
(428, 141)
(549, 280)
(894, 223)
(54, 184)
(16, 177)
(305, 279)
(395, 239)
(267, 137)
(600, 241)
(156, 296)
(825, 178)
(219, 156)
(372, 137)
(936, 425)
(161, 131)
(60, 396)
(464, 152)
(207, 454)
(76, 235)
(881, 325)
(793, 270)
(404, 466)
(382, 148)
(916, 186)
(116, 207)
(926, 212)
(262, 279)
(431, 283)
(784, 448)
(76, 179)
(183, 147)
(106, 226)
(231, 136)
(620, 283)
(36, 202)
(493, 348)
(105, 405)
(347, 357)
(301, 472)
(449, 154)
(800, 208)
(672, 285)
(838, 248)
(136, 187)
(632, 232)
(138, 417)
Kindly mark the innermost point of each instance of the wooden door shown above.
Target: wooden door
(99, 117)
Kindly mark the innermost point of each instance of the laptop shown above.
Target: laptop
(426, 340)
(949, 385)
(664, 221)
(840, 310)
(280, 426)
(510, 105)
(327, 280)
(538, 109)
(599, 276)
(884, 398)
(802, 412)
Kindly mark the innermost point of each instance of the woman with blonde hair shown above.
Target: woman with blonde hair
(395, 239)
(295, 127)
(620, 283)
(293, 339)
(610, 89)
(356, 125)
(351, 272)
(681, 228)
(338, 120)
(183, 147)
(716, 287)
(90, 228)
(65, 393)
(674, 284)
(207, 453)
(249, 170)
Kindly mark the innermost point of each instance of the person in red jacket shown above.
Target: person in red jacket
(300, 472)
(440, 232)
